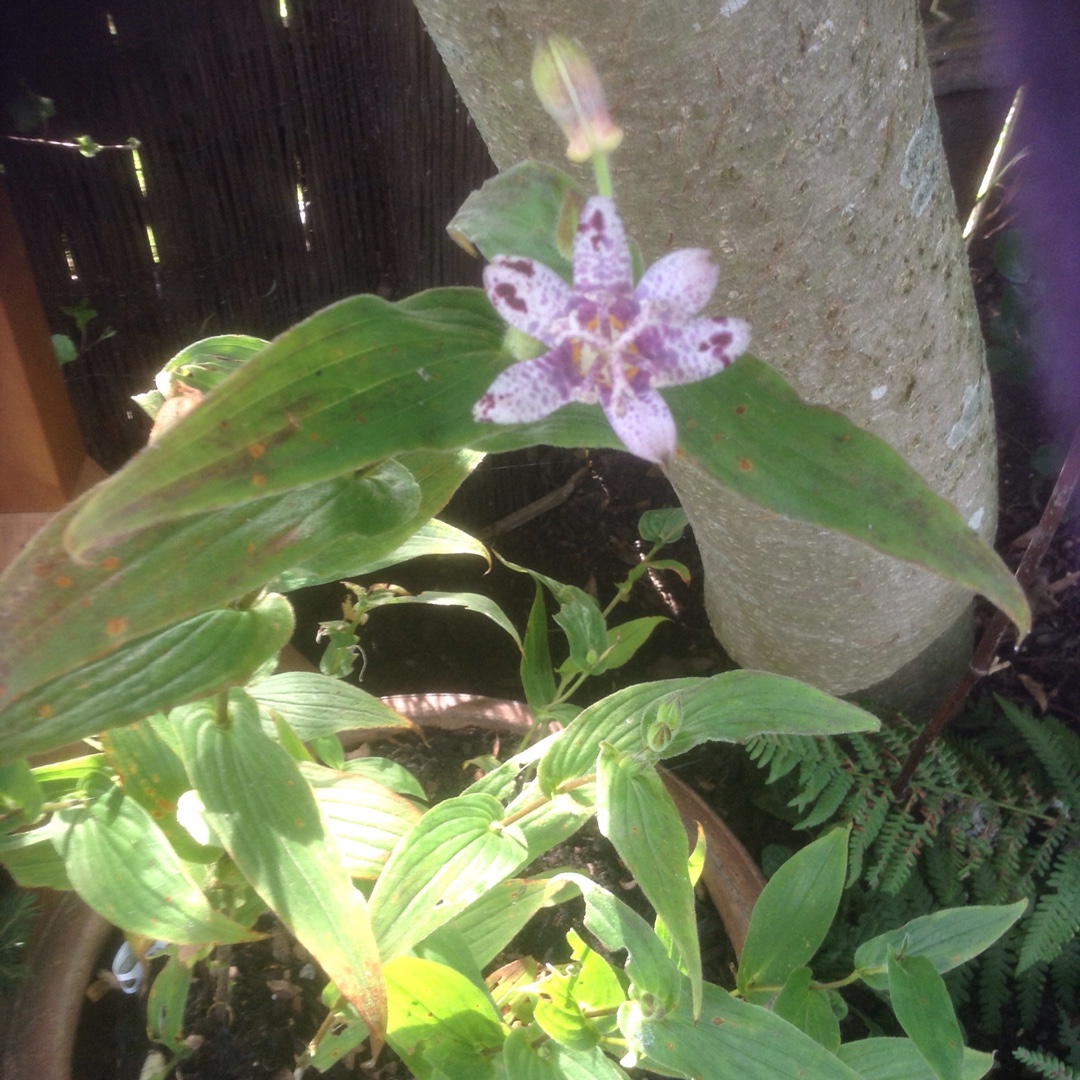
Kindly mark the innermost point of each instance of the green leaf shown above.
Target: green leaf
(121, 864)
(537, 677)
(531, 210)
(793, 914)
(624, 640)
(33, 861)
(154, 776)
(922, 1005)
(65, 349)
(19, 792)
(269, 822)
(809, 1009)
(585, 1064)
(57, 615)
(166, 1002)
(450, 857)
(656, 980)
(490, 921)
(663, 526)
(388, 773)
(438, 474)
(434, 538)
(366, 819)
(749, 429)
(732, 1038)
(583, 623)
(200, 366)
(529, 1055)
(332, 395)
(635, 812)
(946, 938)
(899, 1059)
(438, 1021)
(314, 705)
(198, 657)
(481, 605)
(729, 707)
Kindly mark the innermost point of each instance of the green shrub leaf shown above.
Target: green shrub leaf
(793, 914)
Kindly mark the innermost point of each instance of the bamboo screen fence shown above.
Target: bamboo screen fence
(291, 152)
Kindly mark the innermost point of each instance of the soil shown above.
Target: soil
(590, 540)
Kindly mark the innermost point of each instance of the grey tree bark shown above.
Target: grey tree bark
(797, 139)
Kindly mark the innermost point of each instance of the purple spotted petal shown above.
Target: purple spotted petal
(530, 389)
(644, 423)
(695, 351)
(681, 282)
(601, 254)
(527, 294)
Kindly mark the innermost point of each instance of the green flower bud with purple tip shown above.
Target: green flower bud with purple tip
(570, 90)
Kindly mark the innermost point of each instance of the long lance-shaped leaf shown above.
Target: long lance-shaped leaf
(192, 660)
(57, 615)
(731, 1038)
(268, 821)
(357, 382)
(793, 914)
(728, 707)
(635, 812)
(815, 465)
(946, 938)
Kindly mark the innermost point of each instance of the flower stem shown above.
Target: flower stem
(603, 174)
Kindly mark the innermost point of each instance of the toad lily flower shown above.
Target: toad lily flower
(608, 341)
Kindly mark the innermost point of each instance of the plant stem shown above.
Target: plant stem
(603, 174)
(980, 663)
(543, 800)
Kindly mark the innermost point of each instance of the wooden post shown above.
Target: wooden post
(43, 462)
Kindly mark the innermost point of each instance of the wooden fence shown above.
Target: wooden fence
(291, 152)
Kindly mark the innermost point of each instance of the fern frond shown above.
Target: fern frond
(867, 821)
(1057, 916)
(1045, 1065)
(1030, 987)
(995, 985)
(1056, 747)
(829, 800)
(1065, 971)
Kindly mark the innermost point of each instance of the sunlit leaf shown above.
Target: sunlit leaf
(454, 854)
(313, 704)
(366, 819)
(635, 812)
(728, 707)
(196, 658)
(121, 864)
(439, 1021)
(269, 822)
(732, 1038)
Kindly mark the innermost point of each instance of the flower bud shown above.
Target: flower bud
(570, 90)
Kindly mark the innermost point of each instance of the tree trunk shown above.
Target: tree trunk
(798, 141)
